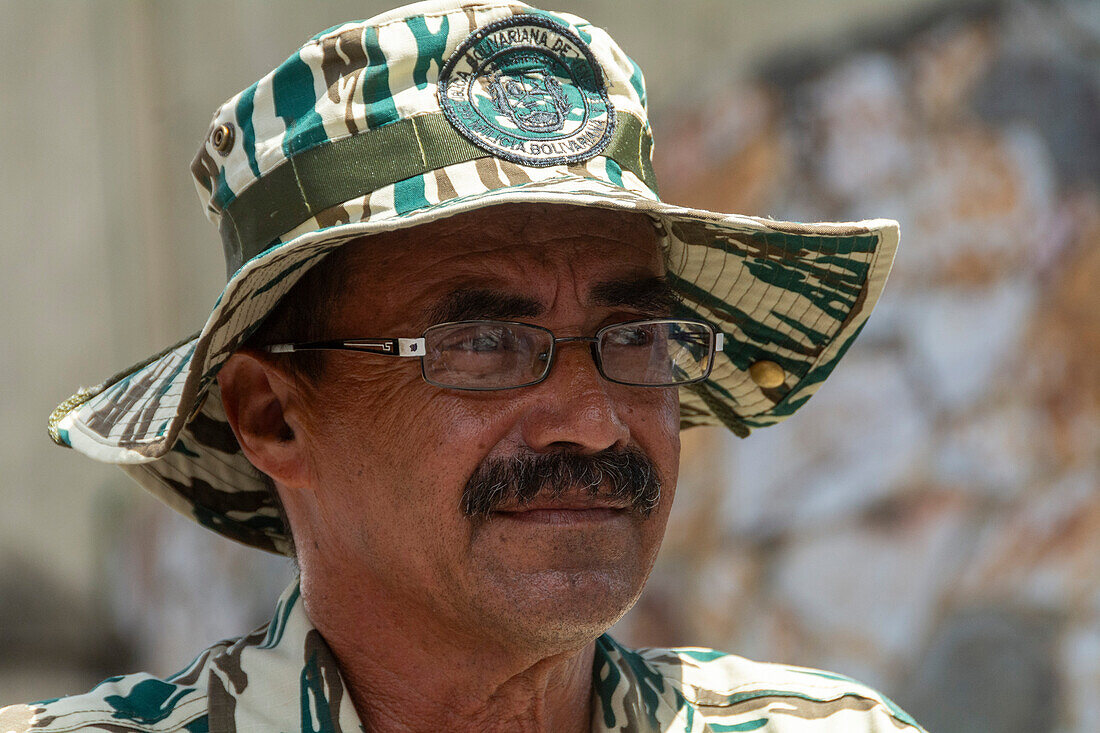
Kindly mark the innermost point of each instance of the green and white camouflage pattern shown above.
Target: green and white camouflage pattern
(348, 138)
(283, 677)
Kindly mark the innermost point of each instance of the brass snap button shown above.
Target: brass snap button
(767, 374)
(222, 138)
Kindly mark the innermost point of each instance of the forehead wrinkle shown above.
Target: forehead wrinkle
(477, 250)
(487, 286)
(399, 284)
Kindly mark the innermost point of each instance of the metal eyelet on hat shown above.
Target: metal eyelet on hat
(222, 138)
(767, 374)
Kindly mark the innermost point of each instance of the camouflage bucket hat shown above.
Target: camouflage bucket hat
(429, 111)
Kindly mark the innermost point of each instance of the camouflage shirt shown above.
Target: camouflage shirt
(282, 677)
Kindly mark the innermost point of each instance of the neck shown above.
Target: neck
(405, 673)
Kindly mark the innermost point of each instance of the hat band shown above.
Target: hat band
(327, 175)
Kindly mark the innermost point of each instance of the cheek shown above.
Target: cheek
(655, 425)
(669, 431)
(358, 421)
(391, 426)
(354, 405)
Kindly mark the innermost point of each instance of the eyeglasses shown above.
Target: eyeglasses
(493, 355)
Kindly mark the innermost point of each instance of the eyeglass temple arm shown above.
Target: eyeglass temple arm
(380, 346)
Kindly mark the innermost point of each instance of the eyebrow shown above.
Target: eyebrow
(651, 295)
(470, 304)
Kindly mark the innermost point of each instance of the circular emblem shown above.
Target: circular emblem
(529, 90)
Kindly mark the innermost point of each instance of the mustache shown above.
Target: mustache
(617, 475)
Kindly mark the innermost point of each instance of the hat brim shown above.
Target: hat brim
(793, 294)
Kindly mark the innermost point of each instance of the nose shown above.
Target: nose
(574, 408)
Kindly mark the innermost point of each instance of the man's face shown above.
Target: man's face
(390, 455)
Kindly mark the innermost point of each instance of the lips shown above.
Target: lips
(561, 517)
(565, 510)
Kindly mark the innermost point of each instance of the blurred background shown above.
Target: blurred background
(929, 523)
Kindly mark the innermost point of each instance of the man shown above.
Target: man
(448, 374)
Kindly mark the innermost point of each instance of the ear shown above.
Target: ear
(256, 395)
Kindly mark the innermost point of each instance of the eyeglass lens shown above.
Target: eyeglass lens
(497, 355)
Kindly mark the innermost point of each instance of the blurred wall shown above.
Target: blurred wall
(930, 521)
(871, 534)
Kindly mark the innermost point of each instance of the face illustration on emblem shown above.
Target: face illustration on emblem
(533, 100)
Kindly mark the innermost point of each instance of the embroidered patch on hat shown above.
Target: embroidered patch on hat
(529, 90)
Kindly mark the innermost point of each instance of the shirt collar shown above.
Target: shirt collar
(281, 677)
(285, 677)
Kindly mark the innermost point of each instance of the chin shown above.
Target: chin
(559, 610)
(557, 588)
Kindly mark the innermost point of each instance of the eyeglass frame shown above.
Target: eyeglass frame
(415, 347)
